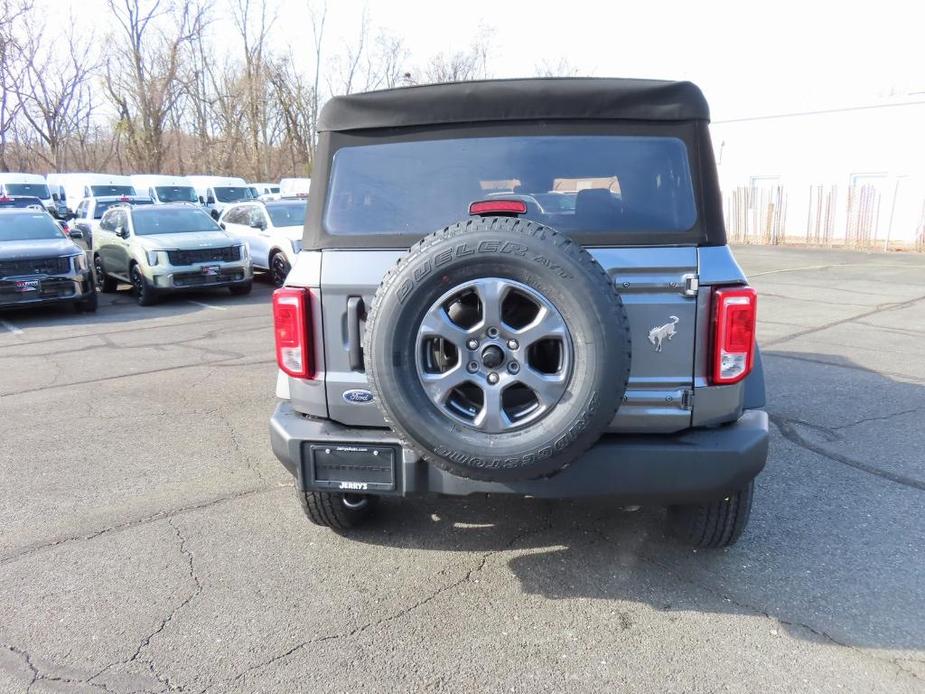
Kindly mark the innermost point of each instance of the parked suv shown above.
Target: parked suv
(454, 326)
(167, 248)
(272, 231)
(39, 264)
(90, 213)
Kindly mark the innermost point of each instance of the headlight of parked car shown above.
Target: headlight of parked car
(156, 257)
(297, 245)
(243, 253)
(80, 262)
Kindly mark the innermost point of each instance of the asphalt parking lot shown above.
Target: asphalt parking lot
(150, 541)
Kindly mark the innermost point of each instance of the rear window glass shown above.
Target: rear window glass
(103, 205)
(233, 193)
(28, 226)
(176, 194)
(157, 220)
(288, 214)
(38, 190)
(581, 183)
(112, 189)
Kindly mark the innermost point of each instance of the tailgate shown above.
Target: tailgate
(660, 303)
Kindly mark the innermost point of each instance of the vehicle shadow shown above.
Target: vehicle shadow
(834, 550)
(121, 307)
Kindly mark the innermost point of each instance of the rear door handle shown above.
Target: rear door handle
(355, 309)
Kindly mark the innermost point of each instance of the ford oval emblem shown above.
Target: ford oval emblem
(358, 396)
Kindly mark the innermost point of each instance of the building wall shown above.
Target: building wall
(853, 176)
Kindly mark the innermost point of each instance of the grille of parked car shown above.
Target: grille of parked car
(193, 279)
(35, 266)
(205, 255)
(49, 289)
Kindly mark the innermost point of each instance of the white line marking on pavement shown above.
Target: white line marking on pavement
(214, 308)
(12, 328)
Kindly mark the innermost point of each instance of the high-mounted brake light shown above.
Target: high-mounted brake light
(291, 319)
(734, 315)
(502, 207)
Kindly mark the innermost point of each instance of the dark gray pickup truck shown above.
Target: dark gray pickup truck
(520, 287)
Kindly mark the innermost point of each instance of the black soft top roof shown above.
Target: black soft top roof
(563, 98)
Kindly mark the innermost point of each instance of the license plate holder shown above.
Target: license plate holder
(24, 286)
(350, 467)
(211, 270)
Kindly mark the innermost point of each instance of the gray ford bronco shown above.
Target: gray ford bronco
(520, 287)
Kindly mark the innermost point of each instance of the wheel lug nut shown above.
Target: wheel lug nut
(493, 378)
(492, 332)
(513, 367)
(472, 366)
(472, 343)
(512, 344)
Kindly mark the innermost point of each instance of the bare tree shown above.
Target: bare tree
(144, 66)
(560, 68)
(10, 50)
(461, 66)
(297, 103)
(53, 88)
(318, 20)
(254, 22)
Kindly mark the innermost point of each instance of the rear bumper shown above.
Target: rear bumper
(696, 465)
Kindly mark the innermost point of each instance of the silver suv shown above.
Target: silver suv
(166, 248)
(520, 287)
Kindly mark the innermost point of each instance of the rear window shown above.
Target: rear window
(596, 183)
(103, 205)
(38, 190)
(233, 193)
(288, 214)
(28, 226)
(158, 220)
(176, 194)
(107, 189)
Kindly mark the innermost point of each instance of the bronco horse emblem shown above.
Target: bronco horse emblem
(663, 332)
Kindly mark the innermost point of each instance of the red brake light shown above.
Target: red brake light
(734, 315)
(291, 318)
(483, 207)
(4, 198)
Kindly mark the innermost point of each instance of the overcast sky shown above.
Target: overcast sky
(749, 58)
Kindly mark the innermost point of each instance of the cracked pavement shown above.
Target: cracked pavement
(150, 542)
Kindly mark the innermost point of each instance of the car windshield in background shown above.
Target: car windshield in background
(38, 190)
(157, 220)
(112, 190)
(571, 182)
(102, 206)
(176, 194)
(28, 226)
(21, 203)
(288, 214)
(233, 193)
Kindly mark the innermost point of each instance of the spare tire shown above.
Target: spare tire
(498, 349)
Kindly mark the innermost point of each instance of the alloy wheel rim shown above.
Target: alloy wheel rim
(494, 355)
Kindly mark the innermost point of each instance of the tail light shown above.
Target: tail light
(291, 322)
(734, 314)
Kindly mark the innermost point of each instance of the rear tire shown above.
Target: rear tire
(337, 511)
(87, 305)
(279, 269)
(104, 283)
(712, 525)
(241, 289)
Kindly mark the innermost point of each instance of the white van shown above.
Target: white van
(266, 188)
(163, 189)
(294, 187)
(32, 185)
(71, 188)
(217, 192)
